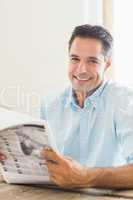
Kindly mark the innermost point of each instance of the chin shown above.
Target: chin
(85, 88)
(82, 88)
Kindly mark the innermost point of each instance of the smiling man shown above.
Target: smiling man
(92, 120)
(87, 66)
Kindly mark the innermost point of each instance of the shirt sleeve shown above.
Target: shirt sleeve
(124, 126)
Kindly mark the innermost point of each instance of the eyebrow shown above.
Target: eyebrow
(94, 58)
(90, 57)
(73, 55)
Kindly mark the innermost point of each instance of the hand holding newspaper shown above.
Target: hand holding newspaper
(22, 139)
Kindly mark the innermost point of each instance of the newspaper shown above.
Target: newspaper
(22, 140)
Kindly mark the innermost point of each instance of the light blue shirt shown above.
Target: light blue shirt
(98, 135)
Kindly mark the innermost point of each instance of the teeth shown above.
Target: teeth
(82, 79)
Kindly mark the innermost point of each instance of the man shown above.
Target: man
(92, 121)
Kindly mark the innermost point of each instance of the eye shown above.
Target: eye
(74, 59)
(93, 62)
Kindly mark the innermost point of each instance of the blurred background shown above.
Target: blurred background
(34, 37)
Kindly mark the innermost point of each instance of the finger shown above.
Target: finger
(2, 156)
(52, 162)
(53, 168)
(57, 180)
(53, 180)
(52, 177)
(50, 154)
(68, 158)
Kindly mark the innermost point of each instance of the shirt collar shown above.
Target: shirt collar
(90, 99)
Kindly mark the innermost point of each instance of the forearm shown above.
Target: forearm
(68, 173)
(117, 177)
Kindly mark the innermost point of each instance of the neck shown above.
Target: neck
(80, 96)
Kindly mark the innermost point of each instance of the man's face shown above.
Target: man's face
(86, 64)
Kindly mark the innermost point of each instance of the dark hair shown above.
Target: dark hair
(94, 32)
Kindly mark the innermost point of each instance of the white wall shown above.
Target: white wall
(33, 48)
(93, 11)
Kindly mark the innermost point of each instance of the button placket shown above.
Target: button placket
(84, 131)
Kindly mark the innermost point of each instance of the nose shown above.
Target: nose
(82, 67)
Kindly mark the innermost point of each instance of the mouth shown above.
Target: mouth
(82, 79)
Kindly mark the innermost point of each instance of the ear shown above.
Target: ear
(108, 63)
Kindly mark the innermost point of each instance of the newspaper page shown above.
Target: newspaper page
(22, 145)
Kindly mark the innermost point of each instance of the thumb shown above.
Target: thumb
(51, 155)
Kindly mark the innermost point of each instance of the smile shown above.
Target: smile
(82, 79)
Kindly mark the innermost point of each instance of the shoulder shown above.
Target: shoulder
(119, 89)
(118, 93)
